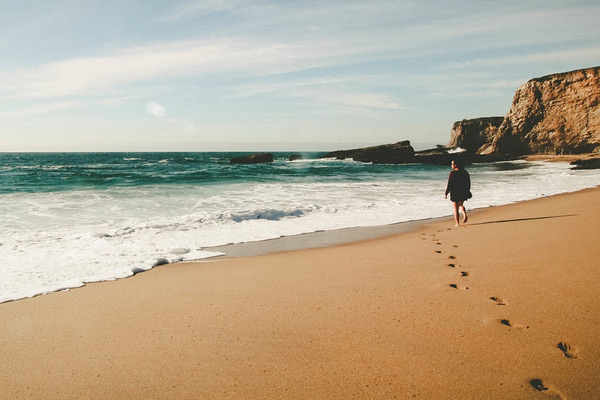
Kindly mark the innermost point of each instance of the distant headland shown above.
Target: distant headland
(557, 114)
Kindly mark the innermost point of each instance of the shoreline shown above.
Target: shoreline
(505, 307)
(319, 239)
(148, 250)
(315, 240)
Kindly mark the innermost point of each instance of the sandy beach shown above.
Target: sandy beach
(506, 307)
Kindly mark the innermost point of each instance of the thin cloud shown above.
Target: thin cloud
(262, 88)
(585, 54)
(105, 75)
(42, 109)
(361, 100)
(343, 100)
(343, 93)
(201, 8)
(333, 42)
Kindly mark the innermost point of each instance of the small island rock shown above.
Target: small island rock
(256, 158)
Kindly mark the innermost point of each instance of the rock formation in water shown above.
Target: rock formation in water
(400, 153)
(396, 153)
(554, 114)
(253, 159)
(590, 163)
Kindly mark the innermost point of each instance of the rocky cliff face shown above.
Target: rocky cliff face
(474, 135)
(555, 114)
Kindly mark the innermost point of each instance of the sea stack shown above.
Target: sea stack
(396, 153)
(256, 158)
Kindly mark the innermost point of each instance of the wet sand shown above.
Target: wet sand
(506, 307)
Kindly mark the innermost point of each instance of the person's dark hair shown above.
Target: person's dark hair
(460, 164)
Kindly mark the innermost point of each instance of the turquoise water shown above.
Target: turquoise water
(72, 218)
(49, 172)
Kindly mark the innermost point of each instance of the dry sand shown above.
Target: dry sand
(507, 307)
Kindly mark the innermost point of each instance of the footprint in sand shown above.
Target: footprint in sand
(513, 324)
(452, 265)
(452, 257)
(538, 385)
(438, 251)
(498, 301)
(464, 273)
(455, 286)
(568, 350)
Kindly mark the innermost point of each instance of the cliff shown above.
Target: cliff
(474, 135)
(554, 114)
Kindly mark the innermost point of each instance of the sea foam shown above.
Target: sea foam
(54, 240)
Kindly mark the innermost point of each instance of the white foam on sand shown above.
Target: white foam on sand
(59, 240)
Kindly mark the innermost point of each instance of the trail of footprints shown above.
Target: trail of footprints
(567, 350)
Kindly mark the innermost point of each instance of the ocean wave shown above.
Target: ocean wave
(267, 214)
(108, 232)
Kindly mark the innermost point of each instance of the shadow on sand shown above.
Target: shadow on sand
(523, 219)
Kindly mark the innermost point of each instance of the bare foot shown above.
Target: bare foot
(465, 219)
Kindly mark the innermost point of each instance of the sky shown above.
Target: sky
(210, 75)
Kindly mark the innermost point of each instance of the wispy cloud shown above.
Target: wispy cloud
(41, 109)
(340, 94)
(319, 37)
(107, 74)
(587, 54)
(55, 106)
(200, 8)
(270, 88)
(352, 101)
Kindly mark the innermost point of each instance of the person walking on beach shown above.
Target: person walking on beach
(459, 187)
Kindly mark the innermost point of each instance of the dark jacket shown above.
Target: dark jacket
(459, 185)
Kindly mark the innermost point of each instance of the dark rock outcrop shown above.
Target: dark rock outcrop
(396, 153)
(474, 135)
(256, 158)
(591, 163)
(402, 153)
(554, 114)
(439, 156)
(295, 157)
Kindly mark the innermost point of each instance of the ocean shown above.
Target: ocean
(72, 218)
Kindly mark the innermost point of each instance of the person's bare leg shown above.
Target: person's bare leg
(464, 210)
(455, 205)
